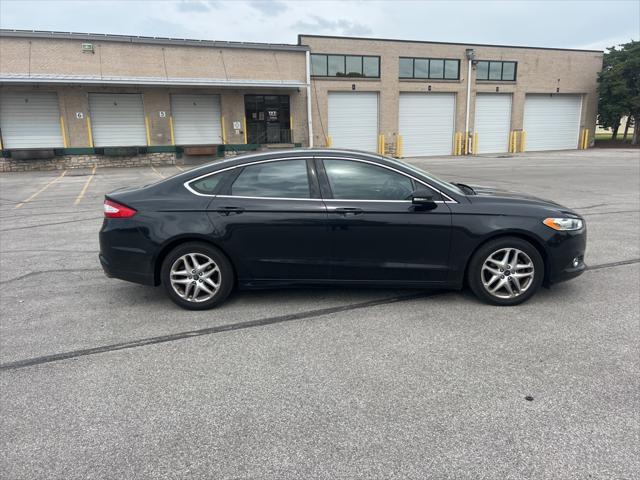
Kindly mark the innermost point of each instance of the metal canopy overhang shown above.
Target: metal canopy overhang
(148, 81)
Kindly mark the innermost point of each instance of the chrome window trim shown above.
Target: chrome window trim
(187, 185)
(317, 199)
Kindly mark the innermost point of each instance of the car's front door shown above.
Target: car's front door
(376, 233)
(271, 220)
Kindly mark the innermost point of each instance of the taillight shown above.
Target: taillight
(115, 210)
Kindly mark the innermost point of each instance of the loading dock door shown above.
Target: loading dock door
(30, 120)
(426, 123)
(196, 119)
(493, 122)
(552, 122)
(353, 120)
(117, 119)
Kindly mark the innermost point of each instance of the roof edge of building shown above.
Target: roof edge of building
(4, 32)
(428, 42)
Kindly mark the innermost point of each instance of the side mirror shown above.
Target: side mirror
(423, 198)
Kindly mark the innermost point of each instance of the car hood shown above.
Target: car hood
(487, 193)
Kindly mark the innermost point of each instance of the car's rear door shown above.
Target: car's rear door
(270, 218)
(376, 233)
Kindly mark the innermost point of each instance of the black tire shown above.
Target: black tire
(474, 272)
(226, 275)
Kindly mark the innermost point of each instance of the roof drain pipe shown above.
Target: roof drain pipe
(309, 117)
(471, 55)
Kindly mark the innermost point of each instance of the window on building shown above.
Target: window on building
(345, 66)
(421, 68)
(319, 65)
(495, 70)
(406, 67)
(429, 68)
(335, 66)
(282, 179)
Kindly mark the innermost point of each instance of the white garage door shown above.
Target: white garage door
(353, 120)
(117, 119)
(552, 122)
(493, 122)
(427, 123)
(30, 120)
(196, 119)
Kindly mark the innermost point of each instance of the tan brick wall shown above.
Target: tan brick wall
(65, 57)
(60, 56)
(539, 71)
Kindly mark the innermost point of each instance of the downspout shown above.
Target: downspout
(309, 116)
(470, 56)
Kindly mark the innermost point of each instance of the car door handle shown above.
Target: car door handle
(230, 210)
(348, 211)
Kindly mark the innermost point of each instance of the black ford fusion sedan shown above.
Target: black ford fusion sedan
(334, 217)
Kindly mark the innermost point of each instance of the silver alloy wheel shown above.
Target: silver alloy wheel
(195, 277)
(507, 273)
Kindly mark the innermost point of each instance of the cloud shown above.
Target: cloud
(319, 24)
(197, 6)
(269, 7)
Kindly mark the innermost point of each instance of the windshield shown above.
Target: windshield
(434, 180)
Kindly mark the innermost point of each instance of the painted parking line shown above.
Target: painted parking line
(179, 167)
(86, 186)
(156, 172)
(55, 180)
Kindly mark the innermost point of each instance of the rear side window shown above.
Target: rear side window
(281, 179)
(206, 185)
(362, 181)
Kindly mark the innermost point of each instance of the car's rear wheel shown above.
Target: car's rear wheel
(506, 271)
(197, 276)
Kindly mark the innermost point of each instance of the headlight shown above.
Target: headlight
(564, 224)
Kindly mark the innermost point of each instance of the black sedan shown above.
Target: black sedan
(334, 217)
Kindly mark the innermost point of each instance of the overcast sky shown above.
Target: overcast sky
(587, 24)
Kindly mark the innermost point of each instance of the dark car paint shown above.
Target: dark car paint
(284, 242)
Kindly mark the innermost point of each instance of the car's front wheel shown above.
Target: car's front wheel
(197, 276)
(506, 271)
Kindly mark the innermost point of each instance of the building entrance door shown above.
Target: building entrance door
(268, 118)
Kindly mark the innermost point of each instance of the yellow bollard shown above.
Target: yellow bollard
(399, 146)
(224, 131)
(586, 138)
(381, 144)
(244, 129)
(146, 126)
(64, 132)
(329, 141)
(173, 138)
(474, 144)
(523, 141)
(89, 132)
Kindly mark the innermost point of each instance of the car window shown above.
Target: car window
(206, 185)
(362, 181)
(282, 179)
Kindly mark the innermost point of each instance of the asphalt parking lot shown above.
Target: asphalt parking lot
(105, 379)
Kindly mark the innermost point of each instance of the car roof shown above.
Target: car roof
(283, 153)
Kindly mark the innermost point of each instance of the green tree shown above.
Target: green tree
(619, 89)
